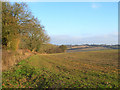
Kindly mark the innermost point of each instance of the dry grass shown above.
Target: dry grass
(10, 58)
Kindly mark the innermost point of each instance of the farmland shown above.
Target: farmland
(79, 48)
(92, 69)
(87, 49)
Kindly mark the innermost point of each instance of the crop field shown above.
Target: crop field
(92, 69)
(87, 49)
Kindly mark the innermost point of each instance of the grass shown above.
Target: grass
(93, 69)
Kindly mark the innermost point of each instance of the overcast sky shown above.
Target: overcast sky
(78, 22)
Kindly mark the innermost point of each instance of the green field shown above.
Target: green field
(92, 69)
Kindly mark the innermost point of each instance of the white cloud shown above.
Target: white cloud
(111, 38)
(95, 5)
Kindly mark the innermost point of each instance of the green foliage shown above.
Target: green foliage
(21, 28)
(9, 26)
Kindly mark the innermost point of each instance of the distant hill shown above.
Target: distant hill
(86, 47)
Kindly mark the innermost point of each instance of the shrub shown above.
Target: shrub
(50, 48)
(63, 48)
(47, 48)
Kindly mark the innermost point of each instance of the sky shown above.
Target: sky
(78, 22)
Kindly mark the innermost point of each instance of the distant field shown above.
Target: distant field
(65, 70)
(87, 49)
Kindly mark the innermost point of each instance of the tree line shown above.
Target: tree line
(21, 30)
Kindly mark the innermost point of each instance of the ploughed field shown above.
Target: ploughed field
(92, 69)
(78, 49)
